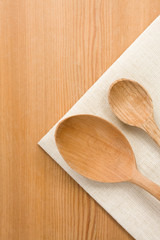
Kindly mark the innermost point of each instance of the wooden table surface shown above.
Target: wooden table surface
(51, 52)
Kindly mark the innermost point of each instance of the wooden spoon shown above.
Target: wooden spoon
(97, 150)
(132, 104)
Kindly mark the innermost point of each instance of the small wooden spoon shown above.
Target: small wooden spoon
(132, 104)
(99, 151)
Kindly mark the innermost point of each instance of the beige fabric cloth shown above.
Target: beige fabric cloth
(135, 209)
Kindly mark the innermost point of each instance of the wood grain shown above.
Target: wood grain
(51, 52)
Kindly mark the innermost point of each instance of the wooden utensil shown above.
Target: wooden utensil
(97, 150)
(132, 104)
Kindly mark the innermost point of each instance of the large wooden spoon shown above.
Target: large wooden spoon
(99, 151)
(132, 104)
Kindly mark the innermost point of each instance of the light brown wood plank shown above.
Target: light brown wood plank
(51, 52)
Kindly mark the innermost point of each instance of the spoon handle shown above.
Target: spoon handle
(142, 181)
(151, 128)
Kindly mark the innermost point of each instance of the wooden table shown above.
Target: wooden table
(51, 52)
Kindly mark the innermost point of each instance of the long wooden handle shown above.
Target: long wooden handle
(145, 183)
(151, 128)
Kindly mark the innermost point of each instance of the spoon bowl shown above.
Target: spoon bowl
(97, 150)
(94, 148)
(132, 104)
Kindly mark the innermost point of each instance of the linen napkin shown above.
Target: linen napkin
(132, 207)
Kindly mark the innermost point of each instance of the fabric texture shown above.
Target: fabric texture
(132, 207)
